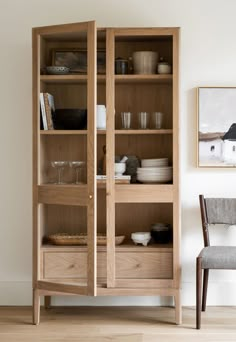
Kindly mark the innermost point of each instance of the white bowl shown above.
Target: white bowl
(145, 62)
(141, 237)
(120, 168)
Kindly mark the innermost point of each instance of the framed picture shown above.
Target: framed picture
(76, 60)
(216, 126)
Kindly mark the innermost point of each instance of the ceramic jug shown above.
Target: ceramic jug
(101, 117)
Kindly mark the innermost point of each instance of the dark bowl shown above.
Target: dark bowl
(70, 118)
(161, 236)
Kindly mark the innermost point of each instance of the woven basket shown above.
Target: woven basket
(64, 239)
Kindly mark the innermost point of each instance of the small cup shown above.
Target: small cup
(121, 66)
(157, 118)
(143, 119)
(126, 120)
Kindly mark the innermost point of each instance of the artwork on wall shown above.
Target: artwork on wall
(216, 126)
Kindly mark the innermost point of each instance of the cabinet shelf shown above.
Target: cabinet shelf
(102, 78)
(143, 78)
(103, 132)
(126, 247)
(139, 131)
(69, 78)
(63, 132)
(63, 194)
(144, 193)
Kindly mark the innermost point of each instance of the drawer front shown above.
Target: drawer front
(144, 265)
(129, 265)
(63, 265)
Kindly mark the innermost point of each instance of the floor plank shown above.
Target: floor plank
(116, 324)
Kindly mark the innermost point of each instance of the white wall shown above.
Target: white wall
(208, 57)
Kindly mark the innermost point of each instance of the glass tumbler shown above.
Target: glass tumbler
(126, 120)
(157, 118)
(143, 120)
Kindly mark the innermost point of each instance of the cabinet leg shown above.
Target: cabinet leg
(36, 307)
(47, 302)
(178, 307)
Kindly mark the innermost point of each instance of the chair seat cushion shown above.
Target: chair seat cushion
(218, 257)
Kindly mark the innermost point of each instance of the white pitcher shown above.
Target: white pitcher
(101, 117)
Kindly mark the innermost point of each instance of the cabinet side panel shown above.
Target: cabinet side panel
(176, 148)
(35, 89)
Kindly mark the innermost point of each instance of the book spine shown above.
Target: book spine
(43, 111)
(48, 110)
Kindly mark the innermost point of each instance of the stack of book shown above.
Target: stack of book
(47, 108)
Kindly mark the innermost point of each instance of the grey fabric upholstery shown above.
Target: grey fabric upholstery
(218, 257)
(221, 210)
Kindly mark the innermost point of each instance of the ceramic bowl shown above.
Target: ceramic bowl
(163, 68)
(141, 238)
(119, 168)
(161, 232)
(70, 118)
(57, 70)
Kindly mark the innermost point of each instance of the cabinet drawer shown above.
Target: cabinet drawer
(63, 265)
(144, 265)
(129, 265)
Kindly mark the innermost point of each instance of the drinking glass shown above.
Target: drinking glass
(126, 120)
(78, 166)
(157, 118)
(143, 119)
(59, 165)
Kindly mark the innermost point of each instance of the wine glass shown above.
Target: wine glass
(59, 165)
(78, 166)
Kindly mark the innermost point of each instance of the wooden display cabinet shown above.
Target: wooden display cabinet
(112, 209)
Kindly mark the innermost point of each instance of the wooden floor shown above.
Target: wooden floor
(116, 324)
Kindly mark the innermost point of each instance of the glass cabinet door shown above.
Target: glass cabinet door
(64, 158)
(137, 94)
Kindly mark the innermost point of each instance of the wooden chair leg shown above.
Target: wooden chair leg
(205, 284)
(36, 307)
(47, 302)
(198, 291)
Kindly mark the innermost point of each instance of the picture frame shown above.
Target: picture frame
(216, 127)
(76, 60)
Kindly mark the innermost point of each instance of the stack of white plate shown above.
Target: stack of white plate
(154, 162)
(154, 171)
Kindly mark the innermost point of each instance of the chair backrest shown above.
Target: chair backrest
(216, 211)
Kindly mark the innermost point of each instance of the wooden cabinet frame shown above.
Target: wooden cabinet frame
(108, 276)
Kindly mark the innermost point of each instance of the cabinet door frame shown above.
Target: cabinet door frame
(111, 34)
(38, 33)
(110, 151)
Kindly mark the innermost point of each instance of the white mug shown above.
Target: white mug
(101, 117)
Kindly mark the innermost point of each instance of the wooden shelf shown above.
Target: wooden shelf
(102, 132)
(69, 78)
(102, 78)
(144, 193)
(63, 132)
(143, 78)
(126, 247)
(139, 131)
(68, 194)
